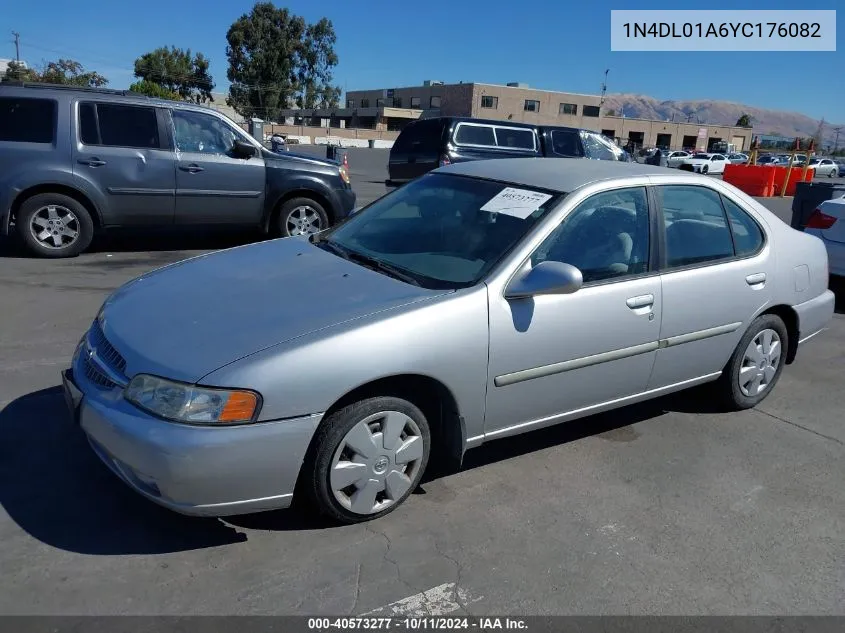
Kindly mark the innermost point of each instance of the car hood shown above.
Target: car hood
(696, 161)
(185, 320)
(298, 158)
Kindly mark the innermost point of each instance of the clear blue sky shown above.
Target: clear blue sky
(552, 44)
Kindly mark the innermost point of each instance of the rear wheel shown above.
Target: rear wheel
(367, 459)
(301, 216)
(54, 225)
(756, 364)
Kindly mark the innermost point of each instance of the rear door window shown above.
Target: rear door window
(420, 136)
(515, 138)
(471, 134)
(26, 120)
(119, 125)
(566, 143)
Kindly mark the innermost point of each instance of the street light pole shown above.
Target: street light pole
(836, 140)
(17, 46)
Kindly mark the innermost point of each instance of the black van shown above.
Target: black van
(426, 144)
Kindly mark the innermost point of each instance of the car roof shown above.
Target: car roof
(554, 174)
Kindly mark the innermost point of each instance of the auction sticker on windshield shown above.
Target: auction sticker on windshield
(519, 203)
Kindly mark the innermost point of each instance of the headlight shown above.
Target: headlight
(181, 402)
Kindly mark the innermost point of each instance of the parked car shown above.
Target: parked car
(772, 161)
(676, 158)
(827, 223)
(841, 165)
(738, 158)
(705, 163)
(521, 293)
(825, 167)
(426, 144)
(75, 161)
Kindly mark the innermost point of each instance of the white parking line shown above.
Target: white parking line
(440, 600)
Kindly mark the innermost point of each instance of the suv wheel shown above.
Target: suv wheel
(302, 216)
(54, 225)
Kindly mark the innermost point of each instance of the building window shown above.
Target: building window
(489, 102)
(365, 103)
(434, 102)
(531, 106)
(611, 134)
(397, 102)
(568, 108)
(591, 110)
(384, 103)
(415, 102)
(350, 103)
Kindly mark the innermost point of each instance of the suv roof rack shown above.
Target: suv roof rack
(46, 86)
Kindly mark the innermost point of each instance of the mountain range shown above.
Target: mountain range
(764, 121)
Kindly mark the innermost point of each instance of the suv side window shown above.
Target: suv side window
(748, 237)
(696, 227)
(596, 148)
(514, 138)
(26, 120)
(565, 143)
(118, 125)
(469, 134)
(605, 237)
(202, 133)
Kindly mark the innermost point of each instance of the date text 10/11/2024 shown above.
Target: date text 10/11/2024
(417, 623)
(725, 29)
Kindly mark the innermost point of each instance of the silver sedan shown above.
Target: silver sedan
(480, 301)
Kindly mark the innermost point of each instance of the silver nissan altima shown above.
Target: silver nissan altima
(480, 301)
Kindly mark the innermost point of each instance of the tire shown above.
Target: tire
(385, 479)
(833, 173)
(56, 215)
(739, 369)
(301, 216)
(705, 169)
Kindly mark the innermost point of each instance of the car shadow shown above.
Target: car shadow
(147, 241)
(55, 488)
(837, 285)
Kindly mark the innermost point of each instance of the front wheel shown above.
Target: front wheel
(367, 459)
(755, 365)
(301, 216)
(705, 169)
(833, 173)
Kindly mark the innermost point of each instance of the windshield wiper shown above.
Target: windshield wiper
(334, 247)
(377, 264)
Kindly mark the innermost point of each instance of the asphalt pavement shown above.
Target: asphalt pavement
(661, 508)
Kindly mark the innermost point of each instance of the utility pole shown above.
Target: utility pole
(836, 140)
(17, 46)
(604, 87)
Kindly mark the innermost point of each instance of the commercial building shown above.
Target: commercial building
(390, 109)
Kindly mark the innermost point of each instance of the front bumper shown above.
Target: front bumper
(194, 470)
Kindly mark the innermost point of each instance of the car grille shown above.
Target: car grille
(97, 377)
(105, 350)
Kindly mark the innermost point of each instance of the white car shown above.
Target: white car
(674, 159)
(825, 167)
(828, 223)
(705, 163)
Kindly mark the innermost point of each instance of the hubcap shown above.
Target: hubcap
(304, 220)
(760, 363)
(377, 462)
(54, 226)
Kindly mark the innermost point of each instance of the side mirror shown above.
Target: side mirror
(546, 278)
(242, 149)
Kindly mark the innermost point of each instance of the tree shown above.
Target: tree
(744, 120)
(64, 71)
(611, 112)
(152, 89)
(817, 137)
(176, 71)
(277, 61)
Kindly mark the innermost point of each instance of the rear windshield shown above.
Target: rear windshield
(420, 136)
(441, 230)
(25, 120)
(495, 136)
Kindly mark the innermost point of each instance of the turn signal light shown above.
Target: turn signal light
(819, 220)
(444, 160)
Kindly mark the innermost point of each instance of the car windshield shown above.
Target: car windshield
(814, 161)
(704, 156)
(440, 231)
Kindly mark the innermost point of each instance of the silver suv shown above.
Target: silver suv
(74, 161)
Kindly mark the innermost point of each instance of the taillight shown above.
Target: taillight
(444, 160)
(819, 220)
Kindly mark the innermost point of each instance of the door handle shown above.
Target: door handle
(756, 279)
(192, 168)
(92, 162)
(642, 301)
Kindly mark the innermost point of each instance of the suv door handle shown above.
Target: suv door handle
(642, 301)
(92, 162)
(756, 279)
(192, 168)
